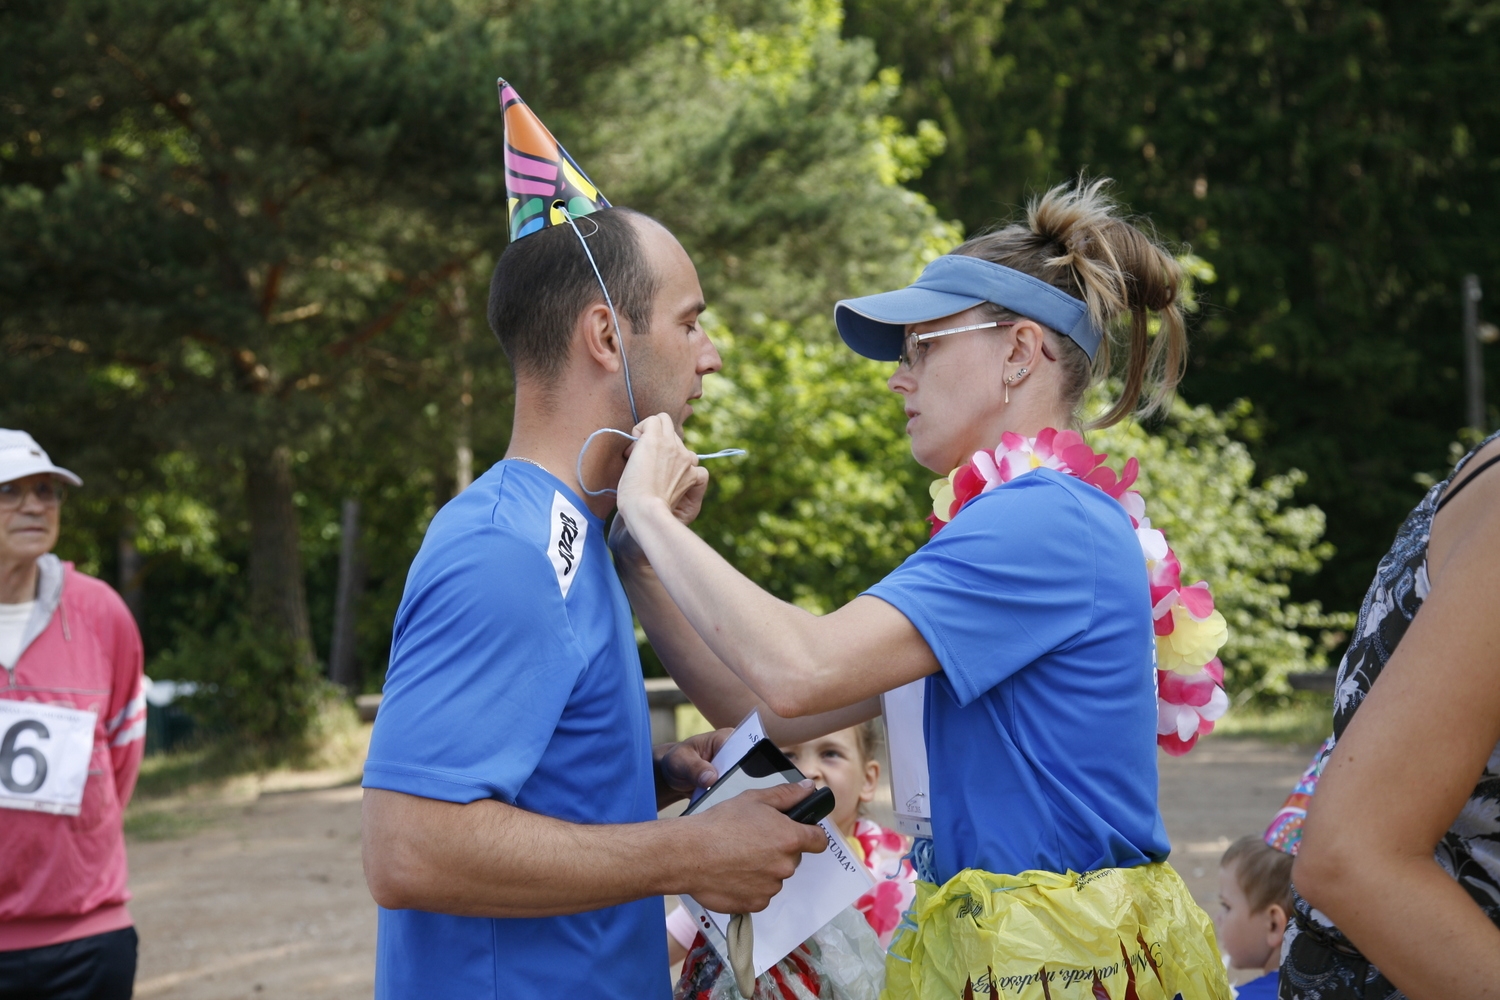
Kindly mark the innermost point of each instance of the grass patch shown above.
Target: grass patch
(164, 824)
(167, 774)
(180, 793)
(337, 741)
(1306, 719)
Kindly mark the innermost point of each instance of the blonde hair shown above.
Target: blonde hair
(870, 737)
(1075, 239)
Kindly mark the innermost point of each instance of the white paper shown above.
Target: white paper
(910, 783)
(823, 884)
(44, 756)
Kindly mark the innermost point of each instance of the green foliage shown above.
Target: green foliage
(228, 226)
(1243, 538)
(828, 499)
(765, 145)
(252, 688)
(1337, 161)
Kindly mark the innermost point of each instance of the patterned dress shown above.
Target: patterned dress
(1318, 962)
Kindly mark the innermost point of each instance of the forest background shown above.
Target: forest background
(244, 251)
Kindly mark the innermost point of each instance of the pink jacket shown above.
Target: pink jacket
(63, 877)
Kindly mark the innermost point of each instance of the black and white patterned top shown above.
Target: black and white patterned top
(1318, 962)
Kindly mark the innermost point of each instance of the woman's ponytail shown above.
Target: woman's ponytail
(1075, 238)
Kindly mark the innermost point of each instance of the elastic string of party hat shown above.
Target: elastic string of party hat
(578, 469)
(614, 316)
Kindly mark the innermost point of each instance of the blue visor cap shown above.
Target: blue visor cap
(875, 325)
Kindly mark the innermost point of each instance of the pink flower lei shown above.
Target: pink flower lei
(1189, 632)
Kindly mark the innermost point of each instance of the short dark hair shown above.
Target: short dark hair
(543, 281)
(1263, 872)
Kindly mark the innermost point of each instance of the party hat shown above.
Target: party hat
(1285, 831)
(543, 186)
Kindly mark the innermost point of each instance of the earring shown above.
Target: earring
(1014, 378)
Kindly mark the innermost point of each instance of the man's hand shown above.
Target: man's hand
(747, 848)
(683, 768)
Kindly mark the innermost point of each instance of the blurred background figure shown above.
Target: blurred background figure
(72, 730)
(1255, 902)
(1397, 880)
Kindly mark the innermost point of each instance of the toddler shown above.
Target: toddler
(1255, 900)
(847, 762)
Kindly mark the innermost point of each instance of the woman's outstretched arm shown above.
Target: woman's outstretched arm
(712, 687)
(798, 663)
(1406, 766)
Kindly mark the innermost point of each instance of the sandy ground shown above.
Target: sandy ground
(260, 892)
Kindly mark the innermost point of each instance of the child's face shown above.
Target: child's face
(1251, 940)
(834, 760)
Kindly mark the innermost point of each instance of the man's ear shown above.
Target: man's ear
(595, 330)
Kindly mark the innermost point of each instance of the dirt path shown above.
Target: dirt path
(267, 898)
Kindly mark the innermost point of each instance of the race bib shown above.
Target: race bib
(44, 756)
(910, 783)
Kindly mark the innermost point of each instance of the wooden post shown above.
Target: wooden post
(343, 669)
(131, 584)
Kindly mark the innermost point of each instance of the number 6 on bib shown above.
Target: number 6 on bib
(44, 756)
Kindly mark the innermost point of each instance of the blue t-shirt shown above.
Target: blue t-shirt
(515, 676)
(1041, 725)
(1264, 988)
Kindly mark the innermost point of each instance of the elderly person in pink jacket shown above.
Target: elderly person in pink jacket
(72, 730)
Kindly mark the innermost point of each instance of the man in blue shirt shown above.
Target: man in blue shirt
(510, 831)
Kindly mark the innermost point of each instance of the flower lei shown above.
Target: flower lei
(1189, 632)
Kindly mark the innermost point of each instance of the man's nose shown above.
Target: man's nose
(710, 361)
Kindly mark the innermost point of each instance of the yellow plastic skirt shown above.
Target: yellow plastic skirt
(1111, 934)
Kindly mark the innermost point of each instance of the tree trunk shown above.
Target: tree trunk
(343, 669)
(131, 582)
(278, 598)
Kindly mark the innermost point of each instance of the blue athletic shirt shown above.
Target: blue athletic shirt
(515, 676)
(1041, 725)
(1266, 987)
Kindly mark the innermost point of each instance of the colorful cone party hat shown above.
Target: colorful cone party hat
(541, 179)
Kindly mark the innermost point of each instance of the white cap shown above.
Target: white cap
(21, 456)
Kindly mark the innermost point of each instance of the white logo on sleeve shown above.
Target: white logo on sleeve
(565, 546)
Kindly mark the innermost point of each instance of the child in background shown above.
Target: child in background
(847, 762)
(1255, 900)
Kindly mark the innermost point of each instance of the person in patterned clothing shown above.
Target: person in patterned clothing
(1398, 877)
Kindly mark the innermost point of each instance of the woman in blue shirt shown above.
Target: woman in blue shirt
(1028, 618)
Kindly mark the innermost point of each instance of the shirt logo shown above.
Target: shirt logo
(565, 544)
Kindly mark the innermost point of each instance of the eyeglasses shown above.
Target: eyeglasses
(48, 493)
(914, 347)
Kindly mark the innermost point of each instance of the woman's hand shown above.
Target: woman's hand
(659, 467)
